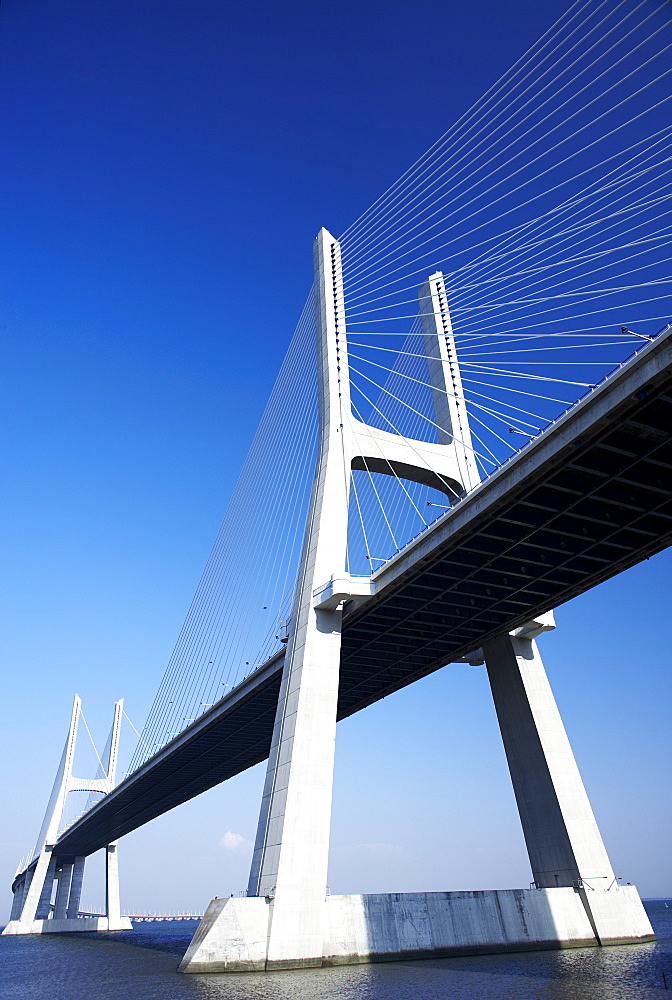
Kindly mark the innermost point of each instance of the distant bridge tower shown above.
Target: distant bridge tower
(287, 920)
(33, 911)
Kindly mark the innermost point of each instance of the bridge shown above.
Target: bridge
(591, 496)
(145, 918)
(353, 462)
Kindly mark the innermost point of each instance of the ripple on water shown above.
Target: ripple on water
(141, 966)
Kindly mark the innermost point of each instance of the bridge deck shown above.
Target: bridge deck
(589, 497)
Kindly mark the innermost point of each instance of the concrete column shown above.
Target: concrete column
(292, 844)
(62, 892)
(40, 876)
(444, 376)
(563, 841)
(44, 905)
(17, 902)
(26, 886)
(76, 888)
(112, 902)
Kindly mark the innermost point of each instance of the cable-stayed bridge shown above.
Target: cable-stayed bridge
(472, 426)
(582, 511)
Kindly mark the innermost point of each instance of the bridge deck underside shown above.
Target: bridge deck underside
(600, 504)
(605, 506)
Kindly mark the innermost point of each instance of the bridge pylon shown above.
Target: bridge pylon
(289, 865)
(291, 851)
(48, 889)
(287, 919)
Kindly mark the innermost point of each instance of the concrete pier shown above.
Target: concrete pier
(232, 936)
(32, 909)
(286, 920)
(68, 926)
(563, 840)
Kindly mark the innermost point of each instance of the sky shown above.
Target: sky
(166, 167)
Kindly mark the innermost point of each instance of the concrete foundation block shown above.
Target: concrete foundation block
(67, 926)
(394, 926)
(387, 927)
(617, 916)
(231, 937)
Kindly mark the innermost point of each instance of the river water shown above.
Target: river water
(140, 965)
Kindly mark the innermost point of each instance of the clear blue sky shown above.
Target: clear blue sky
(166, 166)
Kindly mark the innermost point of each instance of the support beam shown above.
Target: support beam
(44, 905)
(63, 892)
(18, 900)
(112, 901)
(76, 884)
(34, 893)
(562, 837)
(563, 841)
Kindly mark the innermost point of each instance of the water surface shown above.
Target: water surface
(141, 965)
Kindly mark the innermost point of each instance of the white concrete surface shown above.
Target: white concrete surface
(292, 844)
(394, 926)
(231, 937)
(64, 878)
(76, 884)
(52, 926)
(616, 915)
(112, 900)
(562, 837)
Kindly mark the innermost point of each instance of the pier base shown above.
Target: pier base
(68, 926)
(233, 934)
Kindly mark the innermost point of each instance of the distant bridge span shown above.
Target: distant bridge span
(586, 499)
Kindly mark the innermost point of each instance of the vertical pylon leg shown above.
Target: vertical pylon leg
(44, 905)
(35, 889)
(112, 901)
(563, 841)
(26, 887)
(450, 406)
(292, 845)
(17, 902)
(40, 878)
(76, 888)
(62, 892)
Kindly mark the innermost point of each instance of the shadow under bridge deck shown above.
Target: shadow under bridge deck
(586, 499)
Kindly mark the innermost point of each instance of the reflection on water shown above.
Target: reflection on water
(141, 966)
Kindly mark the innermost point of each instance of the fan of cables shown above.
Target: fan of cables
(235, 621)
(547, 208)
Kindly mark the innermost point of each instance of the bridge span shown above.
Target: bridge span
(589, 497)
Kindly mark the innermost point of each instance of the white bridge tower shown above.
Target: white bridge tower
(48, 889)
(287, 920)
